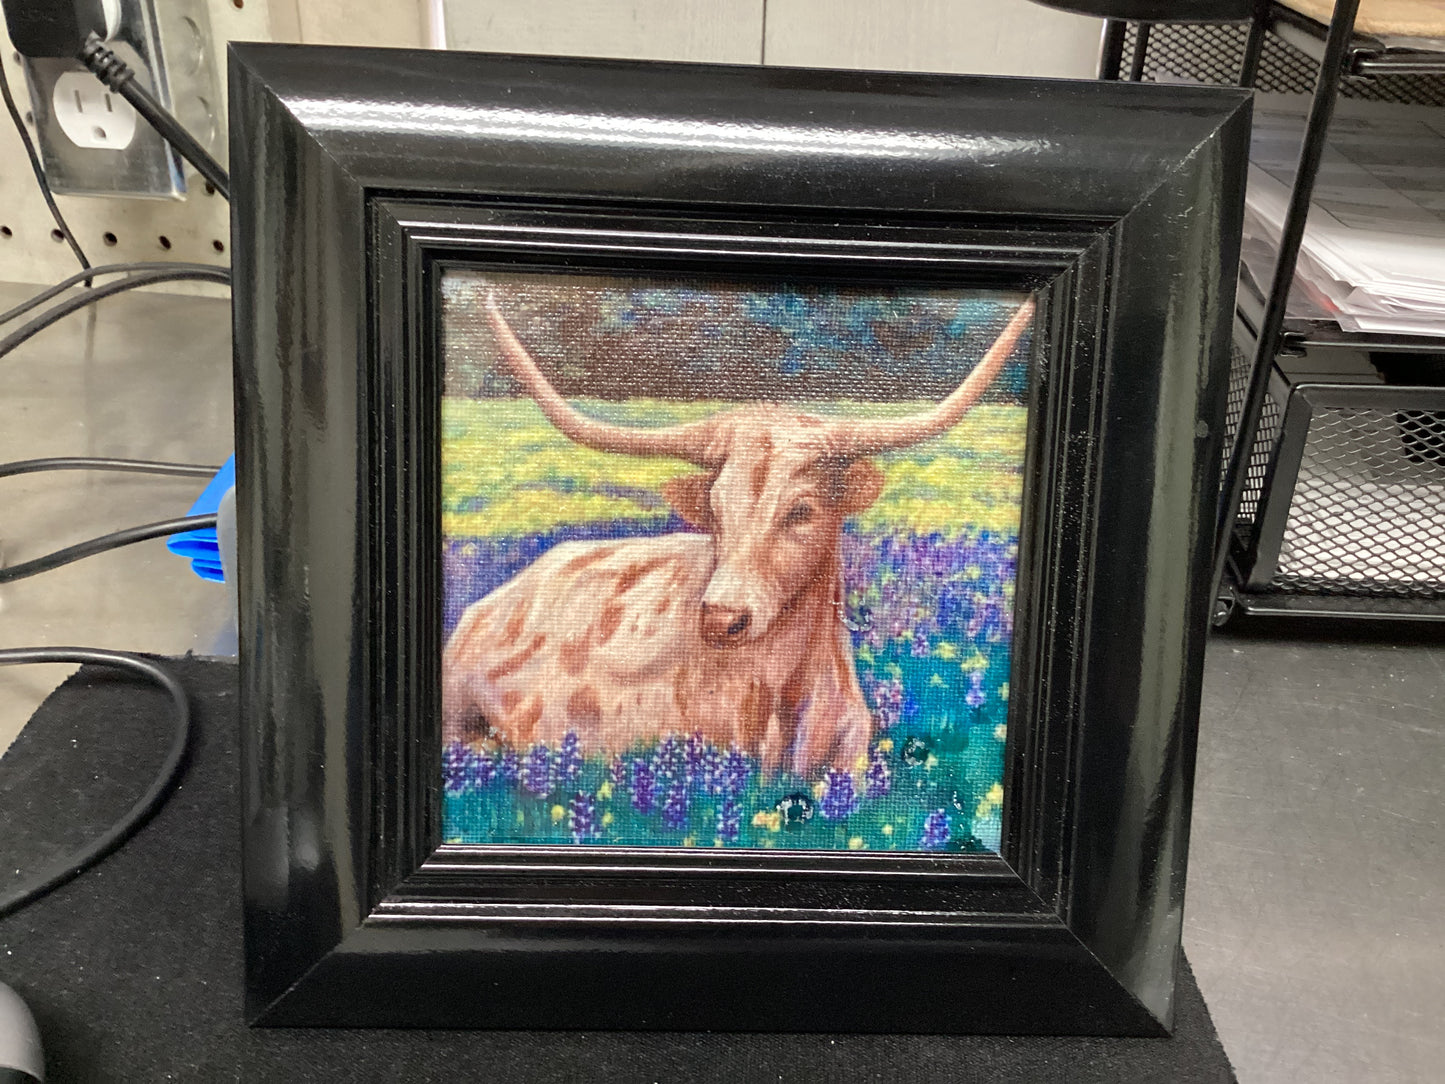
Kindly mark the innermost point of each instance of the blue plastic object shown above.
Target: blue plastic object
(201, 547)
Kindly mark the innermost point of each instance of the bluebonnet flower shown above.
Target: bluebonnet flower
(536, 771)
(935, 831)
(710, 771)
(974, 698)
(919, 649)
(839, 798)
(455, 761)
(509, 766)
(887, 697)
(674, 806)
(878, 780)
(568, 765)
(735, 772)
(582, 817)
(644, 786)
(617, 772)
(480, 770)
(693, 758)
(667, 762)
(729, 817)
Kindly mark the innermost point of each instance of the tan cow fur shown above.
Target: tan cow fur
(602, 638)
(735, 633)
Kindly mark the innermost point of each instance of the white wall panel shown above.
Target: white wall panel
(986, 37)
(727, 31)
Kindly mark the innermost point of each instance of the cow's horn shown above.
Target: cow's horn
(689, 442)
(853, 439)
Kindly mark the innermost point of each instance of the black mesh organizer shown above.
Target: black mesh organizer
(1344, 503)
(1343, 509)
(1213, 52)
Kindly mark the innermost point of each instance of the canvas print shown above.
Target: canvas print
(728, 563)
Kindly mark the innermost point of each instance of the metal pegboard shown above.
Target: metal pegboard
(110, 229)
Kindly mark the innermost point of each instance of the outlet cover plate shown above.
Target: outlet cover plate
(167, 43)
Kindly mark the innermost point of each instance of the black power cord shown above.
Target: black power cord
(104, 269)
(202, 272)
(116, 74)
(77, 862)
(113, 541)
(35, 165)
(127, 466)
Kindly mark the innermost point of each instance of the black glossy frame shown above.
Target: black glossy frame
(361, 174)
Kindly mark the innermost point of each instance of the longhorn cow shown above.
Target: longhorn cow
(736, 631)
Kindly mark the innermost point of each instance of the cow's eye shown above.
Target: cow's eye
(798, 515)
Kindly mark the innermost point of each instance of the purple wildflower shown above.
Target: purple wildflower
(455, 760)
(735, 771)
(935, 831)
(480, 771)
(617, 772)
(568, 765)
(582, 817)
(509, 766)
(674, 806)
(710, 771)
(644, 786)
(887, 697)
(839, 798)
(975, 695)
(878, 780)
(536, 771)
(729, 817)
(693, 757)
(667, 761)
(919, 648)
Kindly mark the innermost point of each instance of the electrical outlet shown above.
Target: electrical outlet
(91, 114)
(92, 142)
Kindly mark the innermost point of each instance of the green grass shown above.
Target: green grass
(508, 471)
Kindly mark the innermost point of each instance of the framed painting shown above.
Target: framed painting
(722, 547)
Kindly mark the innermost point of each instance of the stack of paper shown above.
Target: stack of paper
(1373, 257)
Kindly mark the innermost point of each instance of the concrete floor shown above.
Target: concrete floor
(1314, 915)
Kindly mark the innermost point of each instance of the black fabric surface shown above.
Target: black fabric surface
(133, 971)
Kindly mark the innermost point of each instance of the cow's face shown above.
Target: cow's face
(778, 484)
(775, 509)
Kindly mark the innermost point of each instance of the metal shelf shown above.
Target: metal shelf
(1280, 604)
(1366, 55)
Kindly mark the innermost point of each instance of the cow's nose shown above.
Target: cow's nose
(724, 625)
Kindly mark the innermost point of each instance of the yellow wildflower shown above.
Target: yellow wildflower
(887, 829)
(558, 813)
(607, 818)
(605, 790)
(886, 745)
(856, 843)
(1000, 732)
(946, 651)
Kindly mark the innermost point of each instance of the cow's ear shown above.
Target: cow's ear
(690, 497)
(862, 482)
